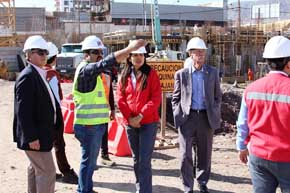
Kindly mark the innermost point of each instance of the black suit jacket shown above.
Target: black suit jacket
(33, 112)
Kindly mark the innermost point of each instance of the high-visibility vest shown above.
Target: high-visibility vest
(92, 108)
(268, 102)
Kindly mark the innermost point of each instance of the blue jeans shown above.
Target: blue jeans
(268, 175)
(90, 139)
(141, 141)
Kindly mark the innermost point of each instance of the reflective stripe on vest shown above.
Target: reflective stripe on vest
(91, 108)
(268, 97)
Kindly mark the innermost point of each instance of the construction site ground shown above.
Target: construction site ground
(228, 174)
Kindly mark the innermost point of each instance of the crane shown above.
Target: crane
(156, 33)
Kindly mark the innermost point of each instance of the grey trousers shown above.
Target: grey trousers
(195, 135)
(41, 172)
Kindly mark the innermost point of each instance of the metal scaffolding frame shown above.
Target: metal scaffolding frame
(7, 23)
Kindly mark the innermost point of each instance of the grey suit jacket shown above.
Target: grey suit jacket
(181, 98)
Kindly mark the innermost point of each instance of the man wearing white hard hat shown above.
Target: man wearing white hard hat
(263, 123)
(91, 96)
(37, 117)
(93, 48)
(194, 43)
(139, 97)
(196, 104)
(53, 78)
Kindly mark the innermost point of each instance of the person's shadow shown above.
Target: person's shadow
(230, 179)
(116, 187)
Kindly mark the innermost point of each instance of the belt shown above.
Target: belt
(198, 111)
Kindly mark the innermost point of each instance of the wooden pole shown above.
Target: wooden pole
(163, 115)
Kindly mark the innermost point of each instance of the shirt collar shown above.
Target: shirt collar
(193, 69)
(41, 71)
(278, 72)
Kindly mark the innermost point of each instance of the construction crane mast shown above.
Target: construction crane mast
(156, 28)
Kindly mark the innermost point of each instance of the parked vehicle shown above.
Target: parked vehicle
(69, 58)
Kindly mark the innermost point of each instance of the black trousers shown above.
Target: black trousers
(59, 148)
(104, 147)
(195, 139)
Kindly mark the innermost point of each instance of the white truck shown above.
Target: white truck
(68, 59)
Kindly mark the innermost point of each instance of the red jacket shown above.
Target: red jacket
(268, 103)
(146, 102)
(50, 74)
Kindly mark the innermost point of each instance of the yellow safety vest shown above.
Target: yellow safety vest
(92, 108)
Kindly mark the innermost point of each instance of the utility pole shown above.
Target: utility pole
(257, 31)
(79, 22)
(144, 15)
(239, 18)
(90, 17)
(152, 24)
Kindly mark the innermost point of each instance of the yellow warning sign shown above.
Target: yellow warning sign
(166, 71)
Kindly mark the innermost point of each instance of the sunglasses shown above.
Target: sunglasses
(40, 52)
(96, 52)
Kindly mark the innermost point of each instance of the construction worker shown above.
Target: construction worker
(91, 103)
(263, 124)
(93, 52)
(37, 117)
(52, 76)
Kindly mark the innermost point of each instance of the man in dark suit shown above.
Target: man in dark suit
(196, 109)
(37, 116)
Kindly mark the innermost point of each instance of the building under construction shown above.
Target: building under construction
(235, 33)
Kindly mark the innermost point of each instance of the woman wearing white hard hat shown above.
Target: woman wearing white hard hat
(37, 117)
(139, 97)
(263, 126)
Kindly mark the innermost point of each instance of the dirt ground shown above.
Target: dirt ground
(228, 174)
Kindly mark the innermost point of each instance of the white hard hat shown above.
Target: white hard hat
(141, 50)
(277, 47)
(92, 42)
(52, 49)
(196, 43)
(35, 42)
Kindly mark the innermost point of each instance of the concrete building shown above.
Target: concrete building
(259, 12)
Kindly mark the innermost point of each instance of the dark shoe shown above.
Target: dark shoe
(191, 191)
(58, 176)
(105, 160)
(203, 188)
(71, 177)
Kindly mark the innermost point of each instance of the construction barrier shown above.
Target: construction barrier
(117, 138)
(67, 108)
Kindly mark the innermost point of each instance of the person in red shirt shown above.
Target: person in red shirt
(139, 98)
(263, 126)
(53, 78)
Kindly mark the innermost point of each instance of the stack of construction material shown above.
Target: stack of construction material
(3, 69)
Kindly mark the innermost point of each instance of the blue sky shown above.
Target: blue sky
(49, 4)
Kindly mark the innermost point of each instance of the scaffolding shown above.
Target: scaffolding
(7, 23)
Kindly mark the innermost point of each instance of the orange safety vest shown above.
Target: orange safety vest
(107, 85)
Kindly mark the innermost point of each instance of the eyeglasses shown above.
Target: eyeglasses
(195, 51)
(40, 52)
(96, 52)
